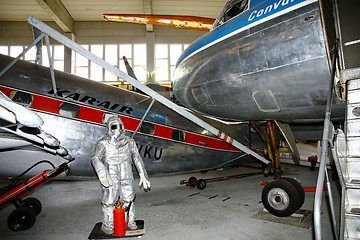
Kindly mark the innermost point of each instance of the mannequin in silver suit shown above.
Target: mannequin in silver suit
(112, 161)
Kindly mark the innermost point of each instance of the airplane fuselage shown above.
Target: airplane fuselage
(167, 142)
(272, 61)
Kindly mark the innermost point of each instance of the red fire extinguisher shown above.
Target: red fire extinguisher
(119, 220)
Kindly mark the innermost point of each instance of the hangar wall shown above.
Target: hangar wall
(20, 33)
(102, 33)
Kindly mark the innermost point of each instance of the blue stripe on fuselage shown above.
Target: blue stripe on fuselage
(258, 10)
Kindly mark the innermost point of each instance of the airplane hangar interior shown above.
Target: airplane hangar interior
(223, 119)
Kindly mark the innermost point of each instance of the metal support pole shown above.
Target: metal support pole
(338, 33)
(51, 63)
(13, 62)
(324, 151)
(143, 118)
(332, 209)
(38, 58)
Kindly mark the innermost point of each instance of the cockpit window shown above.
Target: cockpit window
(69, 110)
(232, 8)
(147, 128)
(22, 98)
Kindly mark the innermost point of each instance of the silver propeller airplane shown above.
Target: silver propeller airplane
(264, 60)
(74, 117)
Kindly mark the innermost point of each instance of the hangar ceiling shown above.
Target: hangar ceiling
(69, 11)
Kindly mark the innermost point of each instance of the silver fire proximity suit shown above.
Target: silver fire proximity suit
(112, 161)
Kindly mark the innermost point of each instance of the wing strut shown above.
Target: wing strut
(102, 63)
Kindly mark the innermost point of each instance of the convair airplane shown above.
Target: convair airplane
(263, 60)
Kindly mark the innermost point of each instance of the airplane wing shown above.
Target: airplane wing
(189, 22)
(19, 127)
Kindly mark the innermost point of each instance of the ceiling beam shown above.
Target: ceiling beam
(58, 12)
(148, 9)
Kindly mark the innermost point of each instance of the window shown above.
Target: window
(178, 135)
(96, 72)
(200, 95)
(265, 100)
(356, 112)
(4, 50)
(31, 55)
(166, 56)
(69, 110)
(56, 51)
(162, 62)
(231, 9)
(147, 128)
(82, 64)
(140, 62)
(22, 98)
(16, 50)
(111, 56)
(58, 56)
(175, 52)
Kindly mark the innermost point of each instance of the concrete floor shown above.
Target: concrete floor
(170, 210)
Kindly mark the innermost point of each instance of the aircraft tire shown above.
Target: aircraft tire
(201, 184)
(32, 203)
(298, 188)
(280, 198)
(21, 218)
(192, 181)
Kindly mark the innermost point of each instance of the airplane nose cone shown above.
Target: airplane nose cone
(23, 115)
(33, 121)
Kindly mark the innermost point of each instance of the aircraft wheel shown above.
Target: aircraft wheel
(298, 188)
(201, 184)
(280, 198)
(192, 181)
(32, 203)
(21, 219)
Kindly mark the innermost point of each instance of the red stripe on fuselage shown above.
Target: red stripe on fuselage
(45, 104)
(89, 114)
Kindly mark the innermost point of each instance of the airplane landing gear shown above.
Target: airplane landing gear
(299, 188)
(283, 197)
